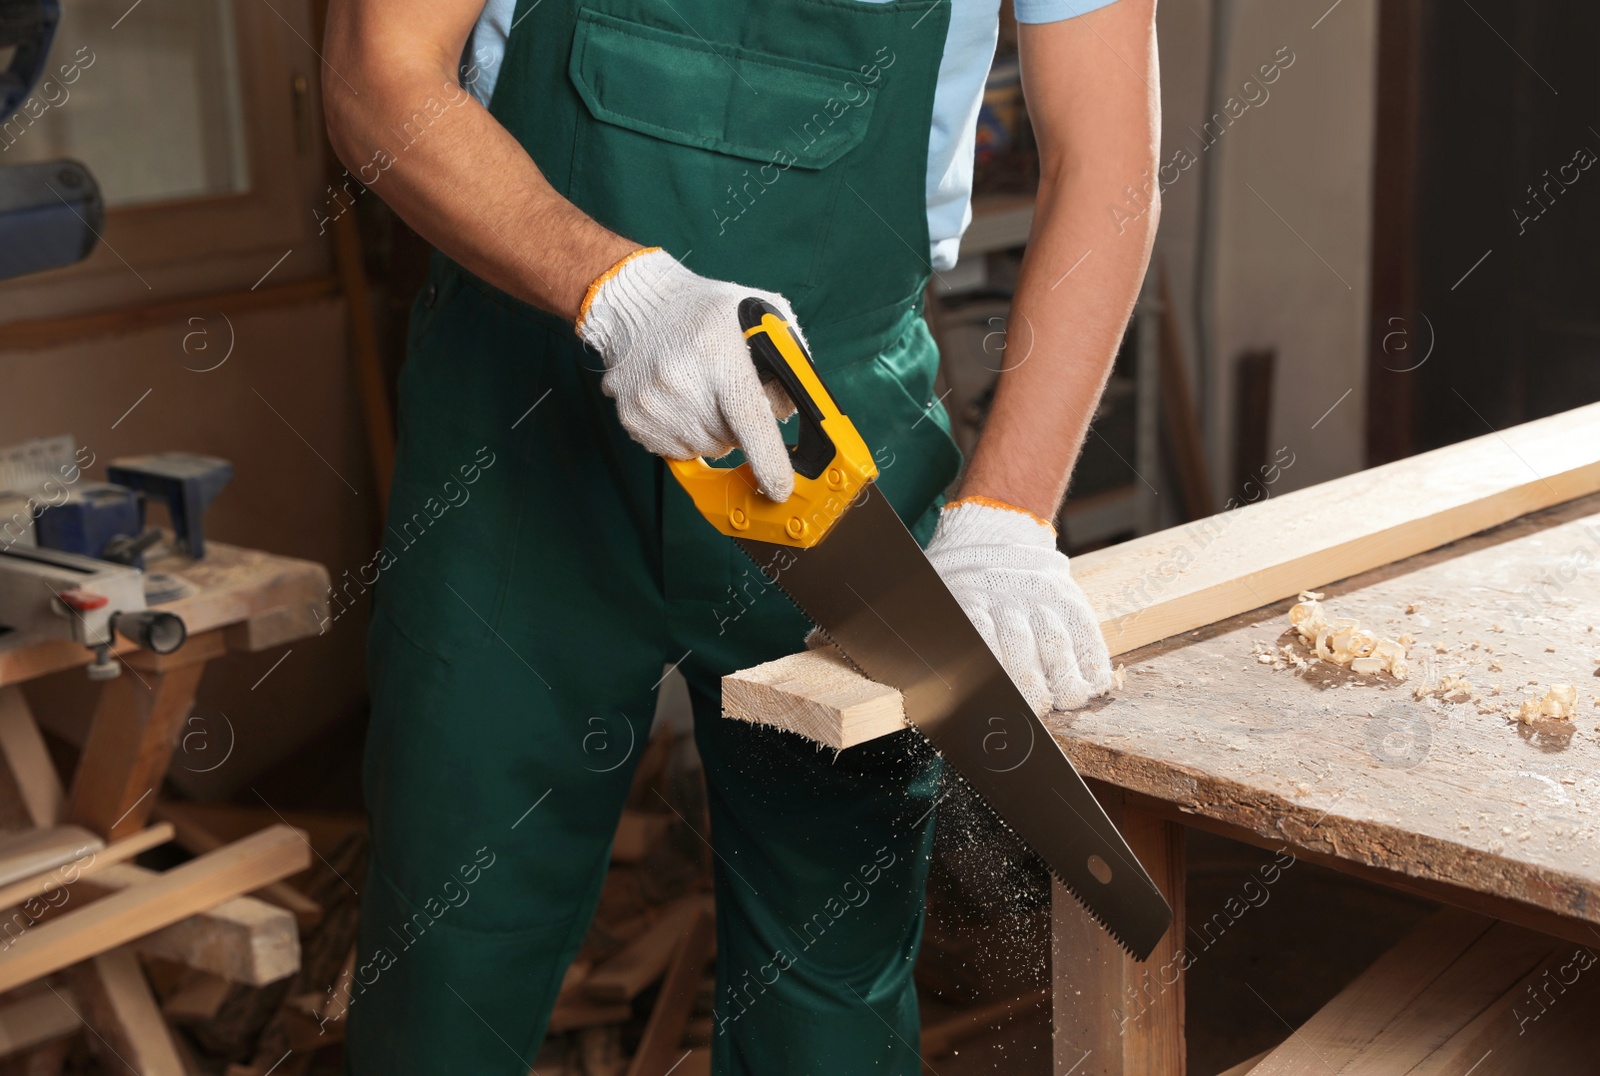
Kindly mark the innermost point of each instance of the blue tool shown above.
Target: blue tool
(185, 482)
(96, 519)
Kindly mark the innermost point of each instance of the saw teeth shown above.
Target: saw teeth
(950, 770)
(977, 798)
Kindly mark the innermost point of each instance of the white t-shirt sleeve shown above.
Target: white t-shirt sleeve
(1037, 11)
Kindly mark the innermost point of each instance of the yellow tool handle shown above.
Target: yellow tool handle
(832, 463)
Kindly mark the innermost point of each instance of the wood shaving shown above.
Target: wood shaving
(1119, 677)
(1558, 703)
(1452, 688)
(1343, 641)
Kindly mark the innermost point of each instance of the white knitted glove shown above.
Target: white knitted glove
(1002, 565)
(679, 368)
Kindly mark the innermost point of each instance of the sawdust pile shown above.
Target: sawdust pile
(1560, 703)
(1343, 641)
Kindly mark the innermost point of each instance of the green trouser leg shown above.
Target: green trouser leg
(820, 871)
(540, 575)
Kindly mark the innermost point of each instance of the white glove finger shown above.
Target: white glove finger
(1068, 689)
(1088, 643)
(782, 406)
(1019, 653)
(750, 419)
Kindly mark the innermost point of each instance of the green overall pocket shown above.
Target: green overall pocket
(710, 152)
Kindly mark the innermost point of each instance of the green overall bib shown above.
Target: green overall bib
(540, 569)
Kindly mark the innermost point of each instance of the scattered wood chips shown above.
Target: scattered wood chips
(1343, 641)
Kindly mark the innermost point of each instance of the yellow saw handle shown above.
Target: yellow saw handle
(832, 463)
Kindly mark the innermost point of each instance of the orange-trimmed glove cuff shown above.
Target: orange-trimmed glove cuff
(600, 282)
(990, 502)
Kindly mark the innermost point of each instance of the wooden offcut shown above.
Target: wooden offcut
(816, 694)
(138, 910)
(190, 830)
(1188, 577)
(118, 1005)
(243, 940)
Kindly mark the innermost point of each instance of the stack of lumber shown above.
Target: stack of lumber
(637, 999)
(109, 965)
(82, 925)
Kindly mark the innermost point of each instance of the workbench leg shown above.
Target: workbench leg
(127, 1030)
(27, 760)
(137, 722)
(1114, 1015)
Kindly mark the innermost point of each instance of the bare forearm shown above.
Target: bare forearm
(451, 171)
(1078, 285)
(1091, 85)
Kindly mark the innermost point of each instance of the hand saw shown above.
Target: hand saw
(841, 554)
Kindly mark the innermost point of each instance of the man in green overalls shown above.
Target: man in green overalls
(640, 167)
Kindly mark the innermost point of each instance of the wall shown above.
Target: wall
(1292, 186)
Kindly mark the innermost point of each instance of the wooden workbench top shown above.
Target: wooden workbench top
(263, 598)
(1361, 772)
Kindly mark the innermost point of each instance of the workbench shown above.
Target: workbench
(1487, 554)
(238, 599)
(1456, 801)
(86, 917)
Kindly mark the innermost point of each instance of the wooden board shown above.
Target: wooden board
(1187, 577)
(1180, 579)
(121, 917)
(193, 828)
(816, 694)
(118, 1006)
(38, 1018)
(24, 753)
(243, 940)
(1543, 1024)
(30, 852)
(68, 873)
(1341, 1028)
(1356, 772)
(196, 999)
(231, 586)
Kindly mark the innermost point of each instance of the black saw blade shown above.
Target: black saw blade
(872, 591)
